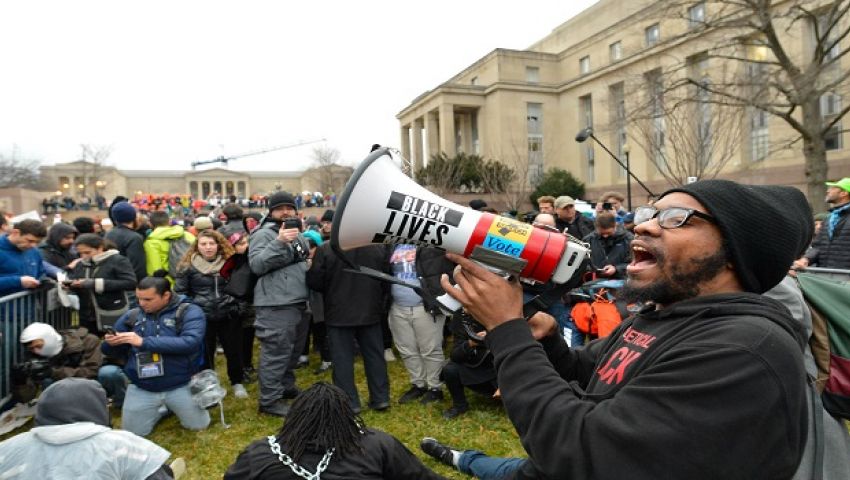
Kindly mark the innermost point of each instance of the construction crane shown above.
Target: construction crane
(223, 160)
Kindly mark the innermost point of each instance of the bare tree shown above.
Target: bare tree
(18, 172)
(761, 38)
(94, 159)
(683, 130)
(325, 166)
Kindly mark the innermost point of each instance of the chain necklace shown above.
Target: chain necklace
(298, 469)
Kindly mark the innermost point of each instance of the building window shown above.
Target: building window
(829, 38)
(652, 34)
(532, 74)
(618, 126)
(615, 51)
(534, 122)
(698, 66)
(473, 81)
(476, 142)
(586, 120)
(759, 135)
(584, 65)
(830, 106)
(696, 15)
(655, 86)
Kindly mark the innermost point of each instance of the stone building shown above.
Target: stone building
(80, 178)
(525, 107)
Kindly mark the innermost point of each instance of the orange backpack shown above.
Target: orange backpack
(598, 318)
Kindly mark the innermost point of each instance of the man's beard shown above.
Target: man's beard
(682, 284)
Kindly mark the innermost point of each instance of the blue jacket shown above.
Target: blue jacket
(15, 264)
(180, 352)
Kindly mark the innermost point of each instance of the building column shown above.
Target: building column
(418, 159)
(447, 129)
(405, 141)
(432, 133)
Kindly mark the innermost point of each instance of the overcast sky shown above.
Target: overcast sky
(167, 83)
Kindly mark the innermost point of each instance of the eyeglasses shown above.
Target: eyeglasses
(673, 217)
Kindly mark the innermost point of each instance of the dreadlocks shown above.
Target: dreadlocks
(322, 418)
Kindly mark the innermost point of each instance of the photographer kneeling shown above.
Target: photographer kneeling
(162, 341)
(54, 356)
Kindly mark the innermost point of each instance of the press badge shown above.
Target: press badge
(149, 365)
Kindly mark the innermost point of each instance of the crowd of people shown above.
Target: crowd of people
(712, 340)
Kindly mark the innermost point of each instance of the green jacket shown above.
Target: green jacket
(157, 245)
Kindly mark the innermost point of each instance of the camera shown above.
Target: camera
(607, 206)
(37, 369)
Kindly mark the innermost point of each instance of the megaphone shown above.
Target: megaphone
(382, 205)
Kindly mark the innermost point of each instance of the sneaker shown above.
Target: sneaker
(454, 412)
(412, 394)
(389, 355)
(239, 391)
(178, 467)
(303, 361)
(380, 407)
(279, 409)
(322, 368)
(435, 449)
(432, 395)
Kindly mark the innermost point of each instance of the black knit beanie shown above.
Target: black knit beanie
(279, 199)
(72, 400)
(766, 227)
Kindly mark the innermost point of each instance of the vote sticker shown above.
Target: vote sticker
(507, 236)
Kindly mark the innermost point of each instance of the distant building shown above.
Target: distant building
(80, 178)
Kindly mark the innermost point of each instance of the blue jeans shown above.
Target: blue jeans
(566, 326)
(473, 462)
(114, 382)
(141, 409)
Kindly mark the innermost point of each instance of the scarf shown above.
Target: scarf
(207, 267)
(834, 217)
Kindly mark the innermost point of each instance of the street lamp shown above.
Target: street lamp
(628, 178)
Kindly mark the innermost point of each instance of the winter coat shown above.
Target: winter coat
(580, 227)
(280, 267)
(15, 264)
(181, 351)
(131, 245)
(159, 242)
(834, 252)
(106, 279)
(50, 250)
(615, 250)
(383, 457)
(476, 363)
(350, 299)
(707, 388)
(431, 264)
(207, 290)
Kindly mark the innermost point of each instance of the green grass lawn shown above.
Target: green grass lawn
(209, 453)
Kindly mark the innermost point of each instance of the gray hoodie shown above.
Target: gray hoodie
(73, 440)
(281, 271)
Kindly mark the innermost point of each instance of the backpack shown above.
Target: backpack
(177, 249)
(829, 302)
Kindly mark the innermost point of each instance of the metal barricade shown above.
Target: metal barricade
(16, 312)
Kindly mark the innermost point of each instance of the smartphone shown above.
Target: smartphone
(109, 330)
(607, 206)
(292, 222)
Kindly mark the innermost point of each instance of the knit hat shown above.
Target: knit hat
(123, 212)
(279, 199)
(766, 227)
(328, 216)
(477, 204)
(234, 237)
(72, 400)
(203, 223)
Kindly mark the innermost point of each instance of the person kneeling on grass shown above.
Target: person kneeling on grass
(322, 436)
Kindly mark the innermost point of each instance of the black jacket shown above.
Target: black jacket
(580, 227)
(383, 457)
(614, 250)
(707, 388)
(131, 245)
(208, 292)
(476, 363)
(50, 250)
(108, 277)
(835, 252)
(350, 299)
